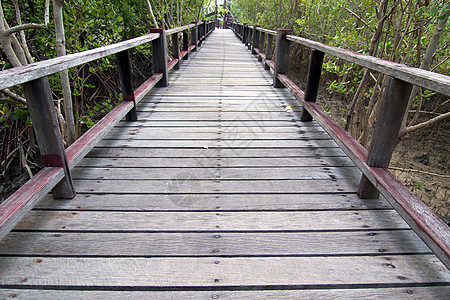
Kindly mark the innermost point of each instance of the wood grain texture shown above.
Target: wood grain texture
(211, 221)
(214, 202)
(211, 272)
(88, 244)
(370, 293)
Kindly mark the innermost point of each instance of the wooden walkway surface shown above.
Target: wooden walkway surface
(218, 191)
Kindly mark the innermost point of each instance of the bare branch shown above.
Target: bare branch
(22, 27)
(22, 33)
(425, 124)
(419, 171)
(14, 96)
(358, 17)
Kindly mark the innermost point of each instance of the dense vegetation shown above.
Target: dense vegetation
(45, 29)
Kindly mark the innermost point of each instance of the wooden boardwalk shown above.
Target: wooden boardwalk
(218, 191)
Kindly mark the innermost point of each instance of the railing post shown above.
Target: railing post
(386, 131)
(46, 128)
(244, 34)
(159, 52)
(176, 50)
(200, 34)
(262, 43)
(282, 56)
(194, 32)
(123, 64)
(269, 51)
(312, 83)
(255, 39)
(186, 44)
(250, 38)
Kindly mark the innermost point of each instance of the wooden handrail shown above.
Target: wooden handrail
(19, 75)
(427, 79)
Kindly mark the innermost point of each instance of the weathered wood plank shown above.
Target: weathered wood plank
(171, 272)
(212, 221)
(439, 292)
(237, 144)
(243, 153)
(209, 244)
(295, 173)
(217, 162)
(214, 202)
(217, 186)
(430, 292)
(152, 134)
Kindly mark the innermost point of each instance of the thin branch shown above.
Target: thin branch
(425, 124)
(14, 96)
(419, 171)
(23, 27)
(358, 17)
(436, 109)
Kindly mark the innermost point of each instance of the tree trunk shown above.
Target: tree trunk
(150, 10)
(65, 83)
(381, 14)
(426, 62)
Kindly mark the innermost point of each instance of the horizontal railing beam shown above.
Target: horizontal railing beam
(268, 31)
(427, 79)
(19, 75)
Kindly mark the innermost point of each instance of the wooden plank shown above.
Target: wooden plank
(220, 272)
(151, 134)
(217, 162)
(251, 124)
(275, 173)
(237, 144)
(210, 244)
(412, 292)
(133, 127)
(218, 186)
(243, 153)
(211, 221)
(214, 202)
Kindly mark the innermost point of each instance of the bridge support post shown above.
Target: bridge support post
(244, 34)
(250, 37)
(312, 83)
(282, 56)
(194, 36)
(269, 51)
(262, 43)
(200, 33)
(256, 34)
(46, 128)
(159, 52)
(386, 131)
(123, 64)
(176, 50)
(186, 44)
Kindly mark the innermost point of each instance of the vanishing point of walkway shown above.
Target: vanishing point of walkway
(218, 191)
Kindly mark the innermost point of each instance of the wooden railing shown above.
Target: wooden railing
(55, 176)
(373, 162)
